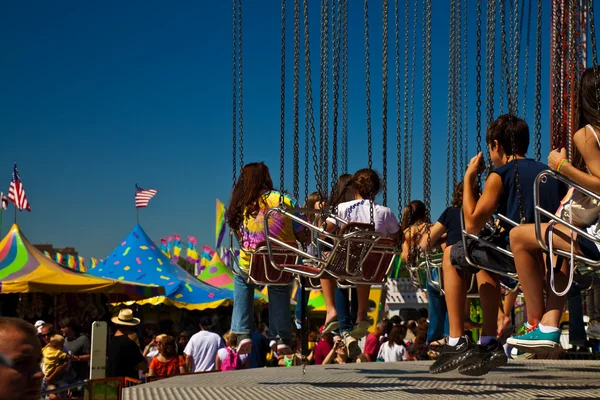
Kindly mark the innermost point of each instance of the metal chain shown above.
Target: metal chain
(464, 156)
(503, 77)
(309, 118)
(594, 53)
(384, 100)
(427, 115)
(451, 138)
(538, 85)
(240, 87)
(407, 150)
(455, 92)
(570, 50)
(324, 96)
(516, 46)
(527, 44)
(490, 44)
(556, 78)
(411, 120)
(282, 108)
(336, 33)
(344, 45)
(478, 89)
(368, 101)
(397, 91)
(296, 99)
(234, 85)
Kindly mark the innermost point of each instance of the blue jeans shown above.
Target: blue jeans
(302, 296)
(242, 320)
(346, 308)
(438, 315)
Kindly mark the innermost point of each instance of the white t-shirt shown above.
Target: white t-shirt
(392, 353)
(153, 352)
(203, 347)
(360, 211)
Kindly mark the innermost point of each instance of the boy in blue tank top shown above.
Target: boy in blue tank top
(508, 191)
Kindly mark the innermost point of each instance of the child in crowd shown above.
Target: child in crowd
(55, 362)
(167, 362)
(228, 358)
(507, 191)
(394, 349)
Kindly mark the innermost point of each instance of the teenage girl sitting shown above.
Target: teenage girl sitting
(253, 195)
(365, 186)
(542, 334)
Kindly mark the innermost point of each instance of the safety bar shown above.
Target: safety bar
(378, 264)
(539, 211)
(65, 388)
(493, 246)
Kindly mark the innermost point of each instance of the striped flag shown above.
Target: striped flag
(143, 196)
(16, 193)
(3, 201)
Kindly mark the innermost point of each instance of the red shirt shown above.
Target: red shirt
(167, 368)
(372, 346)
(321, 351)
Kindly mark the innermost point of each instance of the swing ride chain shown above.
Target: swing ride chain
(490, 43)
(503, 77)
(450, 150)
(368, 85)
(464, 156)
(504, 64)
(240, 88)
(478, 89)
(397, 91)
(296, 99)
(516, 166)
(427, 115)
(570, 44)
(282, 108)
(528, 40)
(457, 95)
(324, 96)
(555, 70)
(411, 120)
(538, 84)
(594, 52)
(406, 115)
(234, 85)
(384, 101)
(344, 45)
(335, 27)
(309, 113)
(516, 46)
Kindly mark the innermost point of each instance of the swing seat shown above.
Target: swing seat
(378, 263)
(261, 272)
(356, 241)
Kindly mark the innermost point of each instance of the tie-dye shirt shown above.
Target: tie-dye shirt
(253, 230)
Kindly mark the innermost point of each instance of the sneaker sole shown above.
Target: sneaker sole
(332, 326)
(245, 347)
(361, 330)
(353, 349)
(455, 363)
(483, 366)
(540, 346)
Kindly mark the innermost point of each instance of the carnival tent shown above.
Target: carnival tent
(217, 274)
(139, 259)
(24, 269)
(316, 301)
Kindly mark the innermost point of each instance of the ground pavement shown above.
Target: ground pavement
(535, 379)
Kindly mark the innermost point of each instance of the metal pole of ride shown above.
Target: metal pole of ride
(304, 322)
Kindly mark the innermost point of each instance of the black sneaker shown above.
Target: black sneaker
(490, 356)
(452, 357)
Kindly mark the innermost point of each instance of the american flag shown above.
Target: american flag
(143, 196)
(3, 201)
(16, 193)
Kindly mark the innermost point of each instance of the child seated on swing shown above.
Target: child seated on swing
(541, 333)
(507, 191)
(365, 185)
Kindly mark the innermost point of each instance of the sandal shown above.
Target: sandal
(361, 329)
(329, 327)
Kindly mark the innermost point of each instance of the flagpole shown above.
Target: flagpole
(15, 215)
(137, 215)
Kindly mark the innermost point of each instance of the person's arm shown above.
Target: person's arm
(436, 233)
(86, 349)
(587, 146)
(330, 356)
(477, 213)
(189, 362)
(147, 349)
(50, 378)
(217, 362)
(151, 372)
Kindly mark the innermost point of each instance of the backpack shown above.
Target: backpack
(232, 361)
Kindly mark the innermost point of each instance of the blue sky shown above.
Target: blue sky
(99, 96)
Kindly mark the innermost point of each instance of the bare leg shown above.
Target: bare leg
(554, 303)
(504, 319)
(455, 288)
(489, 294)
(328, 286)
(362, 292)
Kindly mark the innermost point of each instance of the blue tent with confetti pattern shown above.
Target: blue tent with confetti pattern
(139, 259)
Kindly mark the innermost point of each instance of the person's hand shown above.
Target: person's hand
(476, 165)
(555, 157)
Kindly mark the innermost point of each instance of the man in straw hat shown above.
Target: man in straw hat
(124, 356)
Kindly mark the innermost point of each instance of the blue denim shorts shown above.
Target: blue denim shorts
(588, 248)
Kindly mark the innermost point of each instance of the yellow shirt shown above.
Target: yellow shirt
(53, 358)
